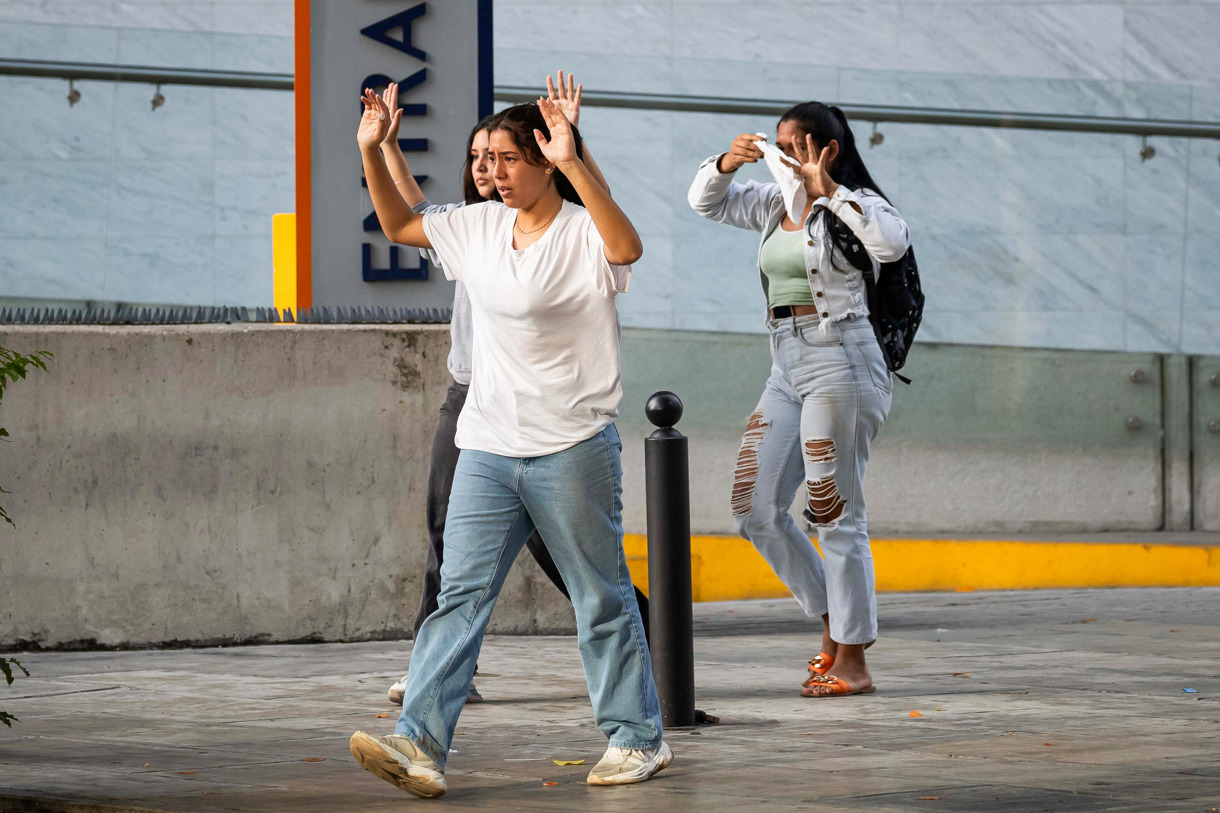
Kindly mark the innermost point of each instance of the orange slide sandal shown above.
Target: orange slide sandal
(831, 686)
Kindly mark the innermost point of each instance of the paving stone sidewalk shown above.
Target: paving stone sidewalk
(1032, 701)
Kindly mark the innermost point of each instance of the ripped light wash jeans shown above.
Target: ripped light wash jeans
(574, 498)
(823, 405)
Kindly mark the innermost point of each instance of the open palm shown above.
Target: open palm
(815, 166)
(567, 98)
(560, 148)
(390, 99)
(375, 122)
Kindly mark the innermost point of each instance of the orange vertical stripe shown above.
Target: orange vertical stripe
(304, 153)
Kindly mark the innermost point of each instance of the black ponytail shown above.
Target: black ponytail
(825, 123)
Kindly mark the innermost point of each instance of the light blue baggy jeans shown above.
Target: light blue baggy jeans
(823, 405)
(574, 498)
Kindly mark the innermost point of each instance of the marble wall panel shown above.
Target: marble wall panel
(267, 17)
(160, 199)
(1202, 277)
(52, 267)
(174, 49)
(649, 301)
(159, 268)
(49, 198)
(978, 273)
(1155, 273)
(1200, 332)
(715, 270)
(253, 124)
(635, 152)
(1172, 42)
(1153, 331)
(955, 195)
(517, 67)
(36, 122)
(70, 43)
(865, 35)
(243, 273)
(1074, 196)
(164, 15)
(60, 12)
(620, 29)
(181, 129)
(1099, 330)
(1203, 195)
(251, 52)
(248, 193)
(752, 79)
(1156, 189)
(1049, 40)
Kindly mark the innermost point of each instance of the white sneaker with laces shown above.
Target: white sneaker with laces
(399, 761)
(625, 766)
(398, 691)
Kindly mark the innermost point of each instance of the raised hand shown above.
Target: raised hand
(374, 122)
(560, 148)
(567, 99)
(740, 153)
(390, 98)
(815, 166)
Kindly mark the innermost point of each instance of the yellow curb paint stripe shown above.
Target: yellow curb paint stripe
(726, 568)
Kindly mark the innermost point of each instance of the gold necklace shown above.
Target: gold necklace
(520, 230)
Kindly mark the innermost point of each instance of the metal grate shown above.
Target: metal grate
(123, 315)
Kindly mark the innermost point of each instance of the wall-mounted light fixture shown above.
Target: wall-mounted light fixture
(876, 138)
(73, 93)
(1146, 150)
(158, 99)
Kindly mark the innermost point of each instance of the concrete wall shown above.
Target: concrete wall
(217, 483)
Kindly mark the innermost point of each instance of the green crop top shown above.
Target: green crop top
(783, 261)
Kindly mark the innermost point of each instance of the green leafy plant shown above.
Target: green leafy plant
(6, 666)
(13, 367)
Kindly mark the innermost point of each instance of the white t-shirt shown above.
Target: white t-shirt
(545, 371)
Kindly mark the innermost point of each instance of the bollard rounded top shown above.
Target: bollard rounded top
(664, 409)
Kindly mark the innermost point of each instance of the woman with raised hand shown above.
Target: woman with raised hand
(477, 185)
(539, 447)
(829, 390)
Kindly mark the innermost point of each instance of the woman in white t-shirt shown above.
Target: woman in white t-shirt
(477, 186)
(539, 446)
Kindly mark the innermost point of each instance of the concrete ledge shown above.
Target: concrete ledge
(726, 568)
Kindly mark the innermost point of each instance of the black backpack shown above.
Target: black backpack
(895, 304)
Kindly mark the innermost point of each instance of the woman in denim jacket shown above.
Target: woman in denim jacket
(829, 390)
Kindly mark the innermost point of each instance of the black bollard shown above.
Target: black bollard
(671, 626)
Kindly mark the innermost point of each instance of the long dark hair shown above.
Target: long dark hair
(520, 122)
(826, 122)
(469, 190)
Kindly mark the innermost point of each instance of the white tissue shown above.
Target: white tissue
(786, 172)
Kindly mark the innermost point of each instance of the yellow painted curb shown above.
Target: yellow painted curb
(726, 568)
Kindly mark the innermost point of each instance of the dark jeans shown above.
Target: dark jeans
(440, 482)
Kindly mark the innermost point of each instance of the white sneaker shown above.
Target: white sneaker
(398, 691)
(399, 761)
(623, 766)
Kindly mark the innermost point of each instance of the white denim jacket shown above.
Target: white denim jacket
(837, 286)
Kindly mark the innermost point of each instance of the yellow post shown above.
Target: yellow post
(284, 261)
